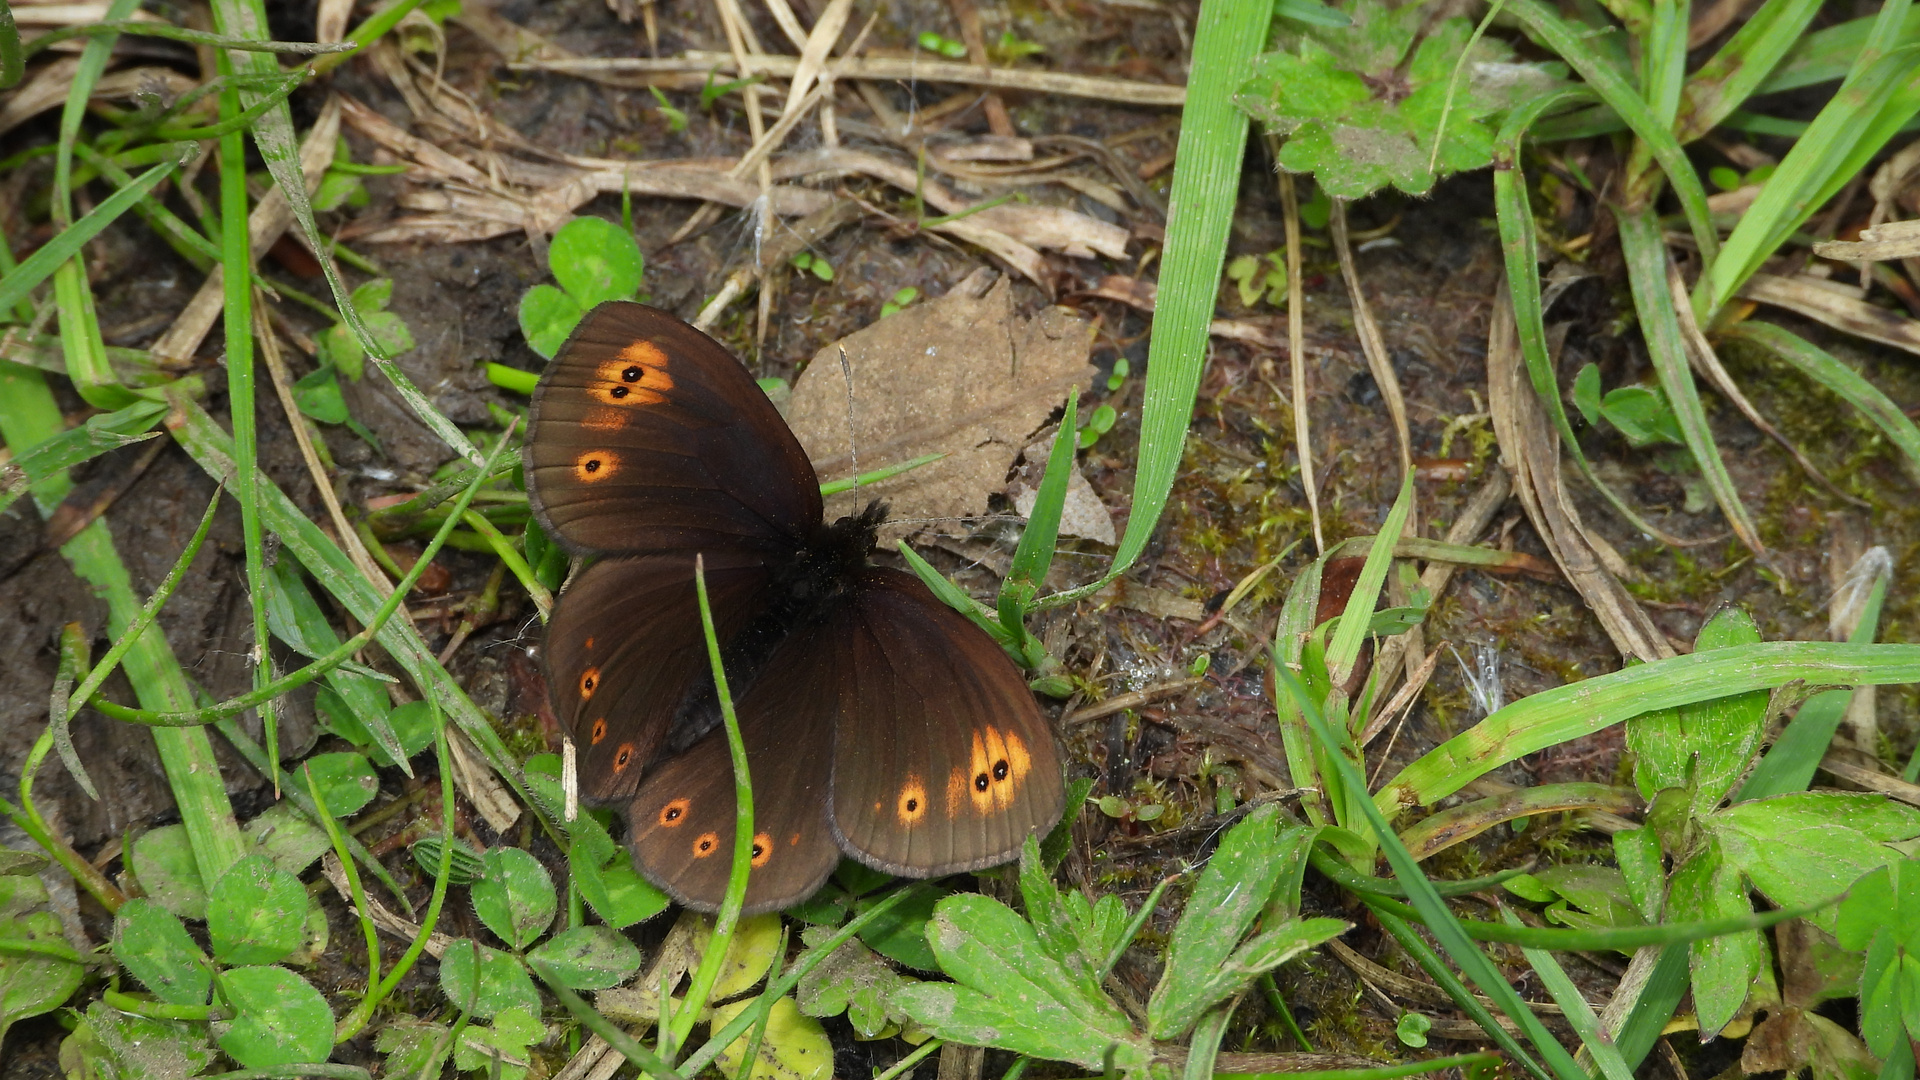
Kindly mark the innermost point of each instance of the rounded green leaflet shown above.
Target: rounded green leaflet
(152, 944)
(547, 316)
(256, 913)
(32, 983)
(595, 260)
(346, 781)
(279, 1019)
(516, 899)
(487, 980)
(164, 865)
(588, 957)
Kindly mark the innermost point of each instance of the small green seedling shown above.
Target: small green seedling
(945, 46)
(1121, 369)
(1099, 422)
(713, 91)
(340, 349)
(1012, 47)
(808, 262)
(594, 261)
(1260, 276)
(900, 300)
(676, 118)
(1641, 413)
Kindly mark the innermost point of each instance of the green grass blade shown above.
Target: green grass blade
(1573, 1005)
(29, 416)
(1344, 650)
(1568, 40)
(273, 135)
(1726, 81)
(1826, 55)
(1859, 119)
(212, 449)
(1564, 713)
(1433, 909)
(12, 64)
(1206, 177)
(1034, 555)
(1645, 249)
(1827, 370)
(1791, 761)
(39, 266)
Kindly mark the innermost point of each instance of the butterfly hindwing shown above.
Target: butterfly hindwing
(649, 437)
(942, 761)
(681, 821)
(625, 650)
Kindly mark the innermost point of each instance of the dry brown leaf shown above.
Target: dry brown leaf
(1819, 301)
(1082, 515)
(961, 375)
(1530, 450)
(48, 88)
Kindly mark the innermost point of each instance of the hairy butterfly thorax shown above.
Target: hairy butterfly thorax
(879, 723)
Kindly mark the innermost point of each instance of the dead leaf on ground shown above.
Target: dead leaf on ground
(1530, 450)
(962, 375)
(1082, 515)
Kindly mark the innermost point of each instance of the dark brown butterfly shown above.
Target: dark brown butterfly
(878, 721)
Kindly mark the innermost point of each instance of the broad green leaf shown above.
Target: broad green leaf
(164, 865)
(516, 899)
(588, 957)
(595, 260)
(279, 1018)
(1231, 893)
(411, 1044)
(504, 1044)
(1011, 994)
(345, 781)
(1807, 847)
(256, 913)
(317, 393)
(1704, 748)
(113, 1045)
(32, 983)
(287, 836)
(547, 316)
(853, 981)
(900, 934)
(499, 983)
(604, 874)
(1703, 887)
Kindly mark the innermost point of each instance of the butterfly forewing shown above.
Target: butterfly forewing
(625, 650)
(649, 437)
(942, 761)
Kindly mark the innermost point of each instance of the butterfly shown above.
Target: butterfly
(878, 722)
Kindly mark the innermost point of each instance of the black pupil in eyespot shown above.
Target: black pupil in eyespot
(912, 805)
(999, 770)
(632, 374)
(619, 391)
(980, 781)
(593, 465)
(673, 814)
(758, 850)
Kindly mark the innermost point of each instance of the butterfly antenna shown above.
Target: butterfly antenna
(853, 450)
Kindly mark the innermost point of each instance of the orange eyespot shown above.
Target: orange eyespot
(589, 681)
(705, 844)
(912, 805)
(598, 732)
(595, 466)
(671, 813)
(762, 849)
(623, 757)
